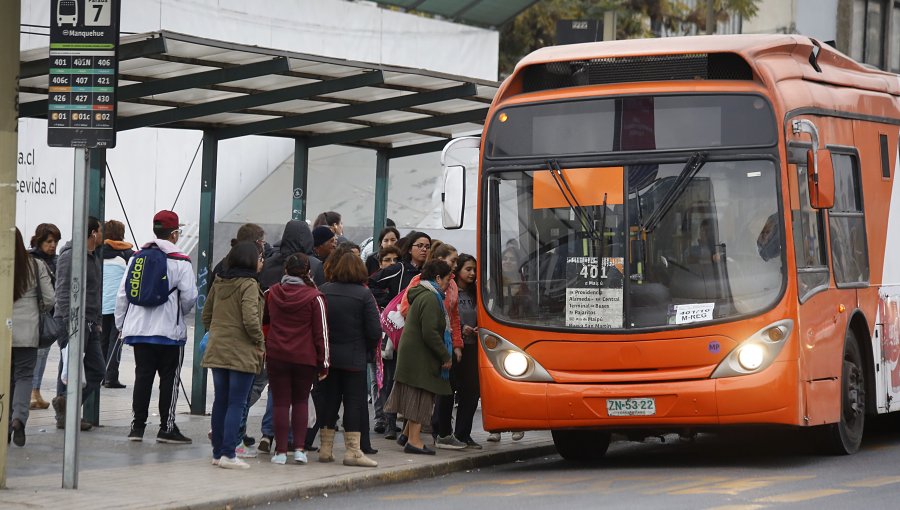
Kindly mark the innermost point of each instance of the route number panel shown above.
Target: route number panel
(81, 94)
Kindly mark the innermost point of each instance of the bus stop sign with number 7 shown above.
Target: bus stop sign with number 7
(84, 64)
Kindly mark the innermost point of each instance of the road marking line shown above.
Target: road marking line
(698, 481)
(874, 482)
(738, 507)
(734, 487)
(796, 497)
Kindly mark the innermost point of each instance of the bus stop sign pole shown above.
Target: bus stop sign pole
(81, 113)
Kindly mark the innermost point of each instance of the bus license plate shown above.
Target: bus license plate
(630, 406)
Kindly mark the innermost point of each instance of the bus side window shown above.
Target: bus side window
(849, 247)
(809, 240)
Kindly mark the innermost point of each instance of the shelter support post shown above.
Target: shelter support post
(301, 176)
(97, 209)
(9, 98)
(382, 167)
(204, 262)
(76, 324)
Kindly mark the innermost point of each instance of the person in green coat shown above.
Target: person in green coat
(233, 316)
(423, 356)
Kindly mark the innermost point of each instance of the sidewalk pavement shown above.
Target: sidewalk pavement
(114, 472)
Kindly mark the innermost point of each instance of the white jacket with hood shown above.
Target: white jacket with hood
(163, 324)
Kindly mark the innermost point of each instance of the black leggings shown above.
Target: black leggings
(347, 387)
(464, 380)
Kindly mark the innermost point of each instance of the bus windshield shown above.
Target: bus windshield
(568, 248)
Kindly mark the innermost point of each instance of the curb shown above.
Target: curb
(358, 481)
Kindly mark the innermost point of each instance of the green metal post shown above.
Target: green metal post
(97, 209)
(382, 179)
(301, 174)
(204, 262)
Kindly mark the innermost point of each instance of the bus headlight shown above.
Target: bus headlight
(756, 352)
(515, 363)
(510, 361)
(751, 356)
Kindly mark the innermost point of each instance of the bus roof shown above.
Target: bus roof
(786, 57)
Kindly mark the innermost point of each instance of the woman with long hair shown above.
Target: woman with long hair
(296, 352)
(423, 356)
(466, 369)
(394, 279)
(355, 329)
(31, 279)
(43, 247)
(387, 237)
(236, 347)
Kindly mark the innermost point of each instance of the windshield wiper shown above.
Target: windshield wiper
(693, 165)
(587, 221)
(577, 209)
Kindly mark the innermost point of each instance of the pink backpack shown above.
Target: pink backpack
(392, 321)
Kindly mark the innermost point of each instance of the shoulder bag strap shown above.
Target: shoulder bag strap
(37, 280)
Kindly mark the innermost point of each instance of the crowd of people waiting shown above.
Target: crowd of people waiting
(305, 317)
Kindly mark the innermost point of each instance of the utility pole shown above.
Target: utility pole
(9, 144)
(710, 17)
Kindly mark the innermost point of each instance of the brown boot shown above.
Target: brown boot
(326, 445)
(37, 401)
(353, 456)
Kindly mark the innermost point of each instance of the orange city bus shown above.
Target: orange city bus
(687, 233)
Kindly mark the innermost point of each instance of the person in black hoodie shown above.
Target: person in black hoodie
(297, 238)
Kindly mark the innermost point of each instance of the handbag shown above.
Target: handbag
(392, 321)
(49, 327)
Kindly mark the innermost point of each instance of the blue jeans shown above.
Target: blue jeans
(39, 368)
(268, 428)
(231, 391)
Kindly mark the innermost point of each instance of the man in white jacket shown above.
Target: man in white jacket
(158, 333)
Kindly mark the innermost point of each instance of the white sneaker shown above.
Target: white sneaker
(516, 436)
(494, 437)
(246, 452)
(279, 458)
(235, 463)
(215, 461)
(300, 457)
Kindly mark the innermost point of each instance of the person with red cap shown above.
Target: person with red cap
(157, 332)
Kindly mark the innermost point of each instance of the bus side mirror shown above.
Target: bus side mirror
(453, 194)
(820, 176)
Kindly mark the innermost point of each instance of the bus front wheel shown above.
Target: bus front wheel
(581, 445)
(845, 436)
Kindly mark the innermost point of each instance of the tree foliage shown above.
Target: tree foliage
(536, 26)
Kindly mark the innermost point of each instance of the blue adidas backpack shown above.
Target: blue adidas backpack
(148, 280)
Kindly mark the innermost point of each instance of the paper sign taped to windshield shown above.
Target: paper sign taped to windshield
(697, 312)
(587, 184)
(590, 306)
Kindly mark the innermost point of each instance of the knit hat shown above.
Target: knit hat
(321, 235)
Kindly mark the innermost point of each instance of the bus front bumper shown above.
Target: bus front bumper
(772, 396)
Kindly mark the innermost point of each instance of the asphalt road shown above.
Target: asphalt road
(738, 470)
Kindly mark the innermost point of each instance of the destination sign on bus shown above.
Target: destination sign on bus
(81, 98)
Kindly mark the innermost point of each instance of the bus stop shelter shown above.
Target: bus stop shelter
(228, 90)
